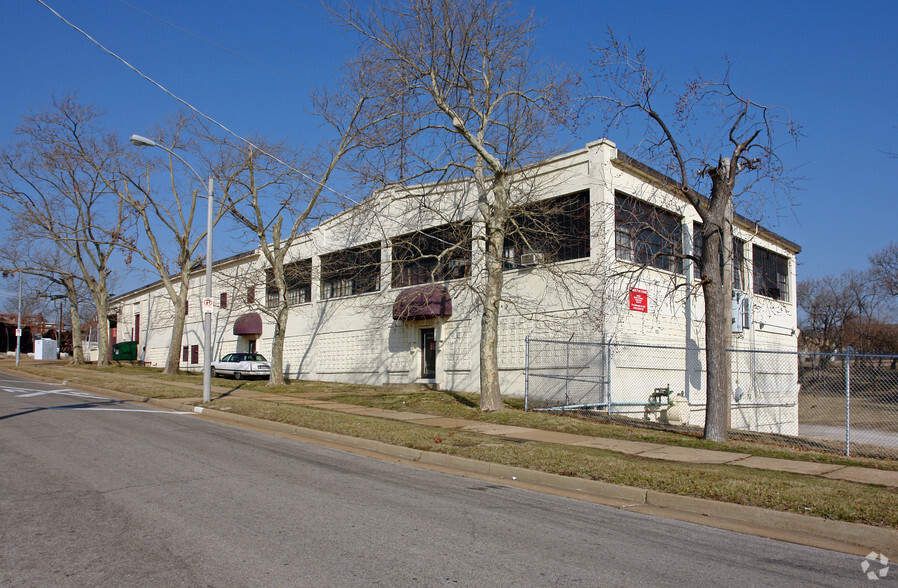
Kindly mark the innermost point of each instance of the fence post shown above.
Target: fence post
(526, 372)
(847, 404)
(607, 370)
(567, 371)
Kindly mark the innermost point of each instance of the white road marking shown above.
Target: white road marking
(21, 392)
(117, 409)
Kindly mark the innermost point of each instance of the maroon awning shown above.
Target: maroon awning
(422, 302)
(248, 324)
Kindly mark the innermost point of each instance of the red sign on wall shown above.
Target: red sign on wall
(639, 300)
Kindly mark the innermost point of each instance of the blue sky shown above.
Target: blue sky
(832, 65)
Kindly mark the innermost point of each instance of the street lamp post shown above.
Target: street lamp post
(207, 315)
(19, 323)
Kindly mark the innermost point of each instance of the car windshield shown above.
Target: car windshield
(254, 357)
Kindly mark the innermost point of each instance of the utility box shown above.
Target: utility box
(44, 349)
(125, 351)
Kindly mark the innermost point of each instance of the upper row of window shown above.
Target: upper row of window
(648, 235)
(550, 230)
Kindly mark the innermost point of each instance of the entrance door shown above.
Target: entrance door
(428, 354)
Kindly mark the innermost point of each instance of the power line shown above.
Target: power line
(192, 107)
(206, 116)
(217, 45)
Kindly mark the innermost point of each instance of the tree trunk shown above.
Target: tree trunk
(77, 344)
(277, 347)
(717, 284)
(717, 339)
(101, 300)
(173, 361)
(490, 391)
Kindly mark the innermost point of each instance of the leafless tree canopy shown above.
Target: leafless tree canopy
(885, 267)
(56, 178)
(467, 101)
(718, 147)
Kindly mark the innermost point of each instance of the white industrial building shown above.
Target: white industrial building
(386, 292)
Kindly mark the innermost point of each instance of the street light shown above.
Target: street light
(207, 315)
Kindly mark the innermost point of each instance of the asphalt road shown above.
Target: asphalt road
(98, 492)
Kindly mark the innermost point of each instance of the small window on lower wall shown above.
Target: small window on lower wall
(194, 354)
(185, 353)
(770, 274)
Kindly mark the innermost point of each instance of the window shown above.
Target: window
(298, 276)
(250, 294)
(432, 255)
(549, 230)
(185, 353)
(770, 273)
(647, 235)
(223, 300)
(194, 354)
(186, 307)
(738, 256)
(136, 336)
(351, 271)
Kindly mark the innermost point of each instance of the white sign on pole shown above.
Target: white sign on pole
(18, 332)
(207, 305)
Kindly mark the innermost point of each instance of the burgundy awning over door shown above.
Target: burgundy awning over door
(422, 302)
(248, 324)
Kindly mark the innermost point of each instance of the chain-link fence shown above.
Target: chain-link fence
(845, 403)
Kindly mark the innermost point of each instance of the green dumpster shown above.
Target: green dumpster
(125, 351)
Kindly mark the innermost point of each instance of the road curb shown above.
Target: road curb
(841, 536)
(855, 538)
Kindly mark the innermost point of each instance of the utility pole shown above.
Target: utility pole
(19, 324)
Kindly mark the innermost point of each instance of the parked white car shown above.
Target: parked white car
(241, 365)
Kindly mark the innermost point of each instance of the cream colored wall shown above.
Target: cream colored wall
(354, 339)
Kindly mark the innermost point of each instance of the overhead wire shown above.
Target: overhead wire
(193, 108)
(211, 119)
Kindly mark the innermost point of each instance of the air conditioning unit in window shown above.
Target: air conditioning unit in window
(531, 258)
(741, 312)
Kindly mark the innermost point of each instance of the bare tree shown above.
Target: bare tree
(265, 184)
(54, 179)
(50, 264)
(826, 307)
(714, 140)
(171, 235)
(885, 267)
(472, 104)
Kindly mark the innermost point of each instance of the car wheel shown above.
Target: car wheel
(237, 375)
(214, 373)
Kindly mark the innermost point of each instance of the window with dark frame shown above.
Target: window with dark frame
(552, 230)
(250, 294)
(194, 354)
(432, 255)
(738, 256)
(185, 353)
(647, 235)
(298, 276)
(223, 300)
(351, 271)
(770, 273)
(137, 328)
(186, 307)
